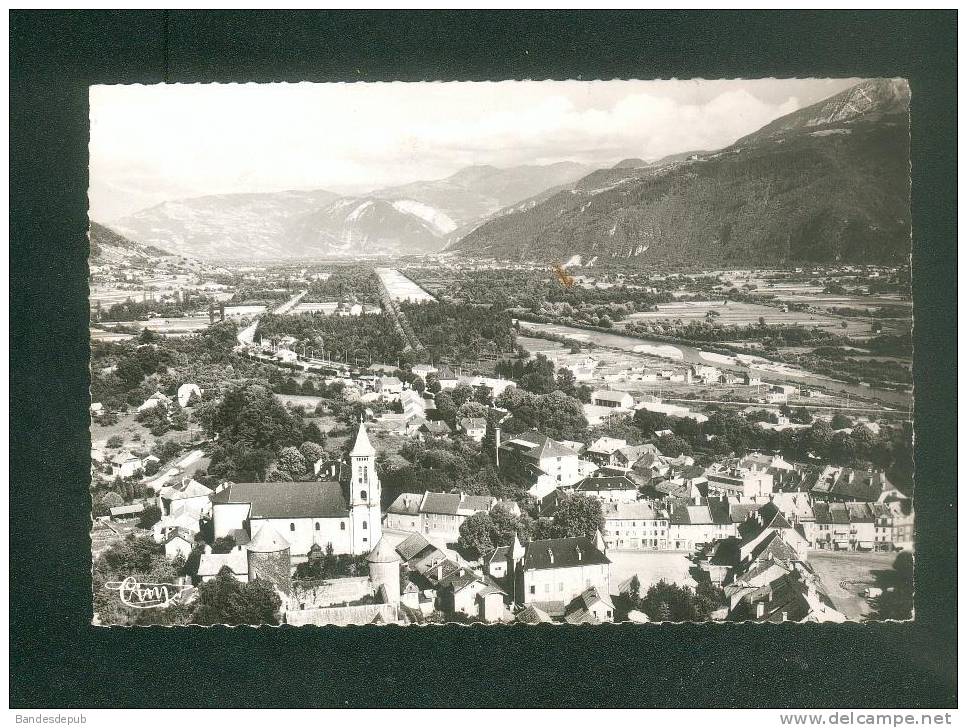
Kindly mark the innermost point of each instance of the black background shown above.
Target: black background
(58, 660)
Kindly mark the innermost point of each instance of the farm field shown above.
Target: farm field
(110, 336)
(402, 288)
(181, 326)
(745, 314)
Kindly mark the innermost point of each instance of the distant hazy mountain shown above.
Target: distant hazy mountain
(828, 182)
(413, 218)
(108, 246)
(255, 225)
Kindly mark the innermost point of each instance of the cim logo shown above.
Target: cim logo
(146, 595)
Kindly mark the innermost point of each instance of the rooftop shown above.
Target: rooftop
(561, 553)
(287, 500)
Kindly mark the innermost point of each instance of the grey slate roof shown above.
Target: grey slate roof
(287, 500)
(561, 553)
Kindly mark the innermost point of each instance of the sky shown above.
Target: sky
(155, 143)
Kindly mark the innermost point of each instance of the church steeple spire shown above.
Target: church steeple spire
(362, 447)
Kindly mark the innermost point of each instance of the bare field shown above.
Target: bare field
(650, 566)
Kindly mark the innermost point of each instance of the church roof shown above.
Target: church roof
(383, 553)
(362, 447)
(267, 540)
(302, 499)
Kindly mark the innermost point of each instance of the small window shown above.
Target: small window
(342, 526)
(364, 526)
(317, 525)
(532, 589)
(292, 527)
(362, 494)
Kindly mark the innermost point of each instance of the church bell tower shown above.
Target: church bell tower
(364, 494)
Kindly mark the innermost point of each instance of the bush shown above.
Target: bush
(115, 441)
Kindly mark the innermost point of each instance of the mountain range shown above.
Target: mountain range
(419, 217)
(108, 246)
(829, 182)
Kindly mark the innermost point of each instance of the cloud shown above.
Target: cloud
(149, 143)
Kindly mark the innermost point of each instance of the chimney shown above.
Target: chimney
(579, 553)
(760, 609)
(439, 571)
(550, 555)
(785, 616)
(208, 549)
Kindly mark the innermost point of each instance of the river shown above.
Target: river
(690, 355)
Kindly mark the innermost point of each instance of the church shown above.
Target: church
(307, 514)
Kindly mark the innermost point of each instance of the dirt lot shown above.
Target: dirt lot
(650, 566)
(858, 568)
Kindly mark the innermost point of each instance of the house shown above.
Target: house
(494, 385)
(434, 428)
(414, 406)
(761, 461)
(601, 451)
(788, 595)
(96, 409)
(180, 517)
(474, 427)
(848, 484)
(389, 387)
(612, 489)
(186, 392)
(179, 543)
(153, 401)
(552, 572)
(188, 493)
(612, 400)
(626, 457)
(698, 522)
(443, 513)
(738, 483)
(310, 513)
(533, 615)
(536, 454)
(589, 607)
(642, 525)
(751, 380)
(495, 562)
(764, 540)
(707, 374)
(126, 465)
(438, 515)
(286, 356)
(472, 595)
(404, 513)
(210, 564)
(423, 370)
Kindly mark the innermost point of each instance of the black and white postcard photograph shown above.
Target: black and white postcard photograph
(592, 357)
(539, 352)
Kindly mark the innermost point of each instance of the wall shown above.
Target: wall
(333, 591)
(305, 534)
(363, 614)
(636, 534)
(229, 516)
(562, 585)
(272, 567)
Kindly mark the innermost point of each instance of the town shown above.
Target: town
(429, 441)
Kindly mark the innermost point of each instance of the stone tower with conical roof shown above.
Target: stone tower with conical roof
(364, 494)
(268, 559)
(384, 571)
